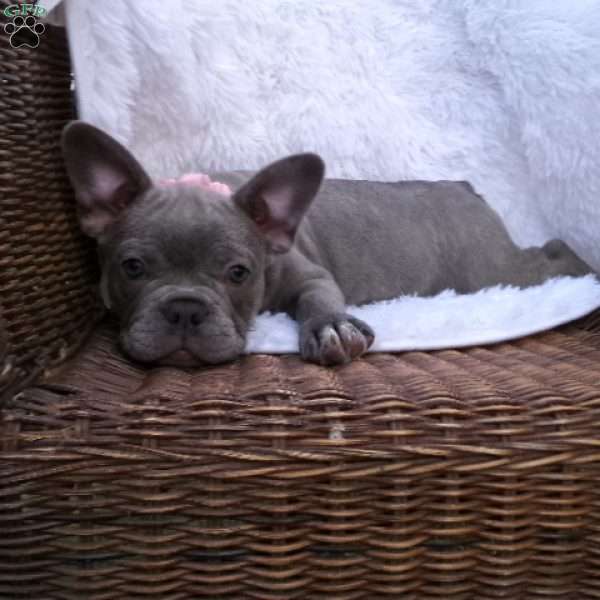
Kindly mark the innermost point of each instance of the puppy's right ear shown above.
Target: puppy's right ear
(105, 175)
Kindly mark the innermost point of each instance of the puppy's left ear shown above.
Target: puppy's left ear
(277, 197)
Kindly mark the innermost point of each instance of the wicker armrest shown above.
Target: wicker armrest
(47, 268)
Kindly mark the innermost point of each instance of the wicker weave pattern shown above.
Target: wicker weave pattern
(456, 474)
(47, 270)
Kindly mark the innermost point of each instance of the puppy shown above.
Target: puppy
(187, 268)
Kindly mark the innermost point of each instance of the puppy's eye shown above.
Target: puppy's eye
(238, 274)
(133, 268)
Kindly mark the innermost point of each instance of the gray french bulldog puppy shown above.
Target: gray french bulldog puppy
(186, 270)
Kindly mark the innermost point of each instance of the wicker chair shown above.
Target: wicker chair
(452, 474)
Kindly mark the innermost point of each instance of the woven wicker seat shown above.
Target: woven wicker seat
(451, 474)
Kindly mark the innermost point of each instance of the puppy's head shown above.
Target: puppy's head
(183, 267)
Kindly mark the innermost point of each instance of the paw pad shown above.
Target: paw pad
(24, 32)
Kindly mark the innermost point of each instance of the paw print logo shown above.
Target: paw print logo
(24, 32)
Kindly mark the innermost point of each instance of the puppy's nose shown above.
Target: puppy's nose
(184, 311)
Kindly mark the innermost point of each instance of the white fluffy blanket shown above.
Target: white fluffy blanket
(503, 93)
(450, 320)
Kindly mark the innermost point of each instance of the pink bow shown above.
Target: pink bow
(200, 180)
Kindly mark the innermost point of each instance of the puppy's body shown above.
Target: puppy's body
(378, 241)
(187, 269)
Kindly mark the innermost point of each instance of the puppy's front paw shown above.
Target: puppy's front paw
(334, 339)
